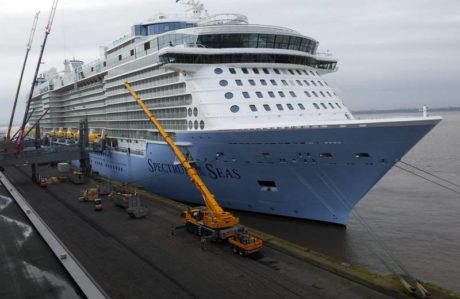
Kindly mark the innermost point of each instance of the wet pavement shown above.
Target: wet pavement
(28, 268)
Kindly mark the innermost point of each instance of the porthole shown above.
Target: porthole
(234, 108)
(201, 125)
(189, 111)
(223, 82)
(218, 71)
(229, 95)
(195, 125)
(195, 111)
(190, 124)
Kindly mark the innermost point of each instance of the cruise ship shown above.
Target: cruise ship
(249, 105)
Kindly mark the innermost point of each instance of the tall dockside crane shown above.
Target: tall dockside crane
(21, 134)
(210, 221)
(29, 46)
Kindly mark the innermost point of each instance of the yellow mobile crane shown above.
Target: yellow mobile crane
(210, 221)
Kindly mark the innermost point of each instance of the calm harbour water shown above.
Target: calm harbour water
(418, 221)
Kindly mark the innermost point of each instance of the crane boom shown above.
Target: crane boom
(29, 46)
(47, 32)
(208, 197)
(211, 221)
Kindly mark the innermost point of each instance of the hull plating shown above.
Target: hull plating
(317, 174)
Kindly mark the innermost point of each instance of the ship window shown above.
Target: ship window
(223, 83)
(266, 71)
(338, 106)
(252, 82)
(332, 106)
(239, 82)
(280, 107)
(253, 108)
(259, 94)
(324, 105)
(218, 71)
(273, 82)
(325, 83)
(228, 95)
(301, 106)
(256, 71)
(313, 82)
(234, 108)
(347, 116)
(263, 82)
(271, 94)
(325, 155)
(232, 71)
(284, 82)
(281, 94)
(120, 57)
(277, 71)
(195, 111)
(290, 107)
(268, 186)
(292, 72)
(320, 83)
(298, 72)
(306, 82)
(92, 69)
(322, 93)
(189, 111)
(329, 94)
(104, 63)
(292, 94)
(361, 155)
(132, 52)
(307, 94)
(305, 72)
(246, 95)
(195, 125)
(312, 73)
(201, 125)
(267, 107)
(299, 82)
(314, 93)
(146, 46)
(316, 106)
(245, 70)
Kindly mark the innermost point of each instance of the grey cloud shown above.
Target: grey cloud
(392, 54)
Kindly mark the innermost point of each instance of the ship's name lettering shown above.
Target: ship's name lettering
(209, 170)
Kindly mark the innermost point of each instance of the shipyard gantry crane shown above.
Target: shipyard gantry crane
(29, 46)
(21, 135)
(210, 221)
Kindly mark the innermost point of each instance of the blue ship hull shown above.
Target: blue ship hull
(318, 174)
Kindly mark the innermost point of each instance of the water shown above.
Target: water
(418, 221)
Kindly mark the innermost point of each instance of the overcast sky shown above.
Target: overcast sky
(392, 53)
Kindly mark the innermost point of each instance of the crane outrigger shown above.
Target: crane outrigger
(210, 221)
